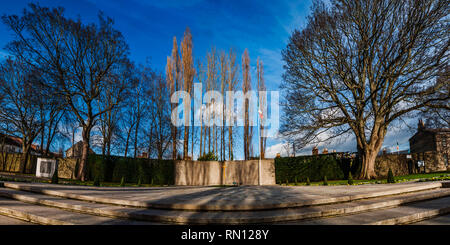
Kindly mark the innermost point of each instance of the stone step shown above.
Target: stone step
(222, 217)
(405, 214)
(53, 216)
(440, 220)
(5, 220)
(223, 199)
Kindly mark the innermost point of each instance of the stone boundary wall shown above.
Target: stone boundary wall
(67, 167)
(399, 164)
(10, 162)
(204, 173)
(434, 162)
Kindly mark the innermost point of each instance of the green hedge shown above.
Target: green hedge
(113, 168)
(161, 172)
(298, 169)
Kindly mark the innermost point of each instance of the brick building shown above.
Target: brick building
(12, 144)
(430, 148)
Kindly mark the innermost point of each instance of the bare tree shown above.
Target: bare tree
(77, 58)
(211, 74)
(108, 121)
(232, 81)
(246, 86)
(223, 84)
(439, 116)
(188, 70)
(68, 129)
(114, 101)
(201, 77)
(160, 112)
(436, 118)
(174, 76)
(360, 65)
(262, 104)
(54, 110)
(20, 108)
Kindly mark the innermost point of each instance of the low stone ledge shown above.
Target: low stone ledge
(446, 184)
(31, 217)
(413, 217)
(223, 218)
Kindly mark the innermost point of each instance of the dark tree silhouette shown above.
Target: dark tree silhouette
(76, 58)
(359, 65)
(20, 107)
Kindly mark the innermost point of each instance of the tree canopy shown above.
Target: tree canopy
(359, 65)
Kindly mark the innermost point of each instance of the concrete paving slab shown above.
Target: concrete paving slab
(221, 217)
(53, 216)
(5, 220)
(400, 215)
(440, 220)
(223, 198)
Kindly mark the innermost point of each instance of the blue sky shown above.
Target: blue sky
(262, 26)
(149, 26)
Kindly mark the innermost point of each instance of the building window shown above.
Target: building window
(446, 159)
(444, 141)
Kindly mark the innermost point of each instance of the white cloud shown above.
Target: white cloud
(273, 66)
(399, 132)
(271, 151)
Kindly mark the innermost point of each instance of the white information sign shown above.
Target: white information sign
(45, 167)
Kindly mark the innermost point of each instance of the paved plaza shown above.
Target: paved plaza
(50, 204)
(224, 198)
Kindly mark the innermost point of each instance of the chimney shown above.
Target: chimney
(420, 125)
(315, 150)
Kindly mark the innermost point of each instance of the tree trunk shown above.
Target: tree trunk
(43, 129)
(367, 158)
(150, 142)
(192, 135)
(127, 142)
(42, 140)
(159, 141)
(186, 142)
(103, 148)
(86, 133)
(368, 152)
(174, 142)
(50, 137)
(108, 148)
(136, 131)
(73, 140)
(201, 137)
(24, 158)
(209, 137)
(230, 142)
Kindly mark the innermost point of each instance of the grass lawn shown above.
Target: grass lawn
(31, 178)
(398, 179)
(105, 184)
